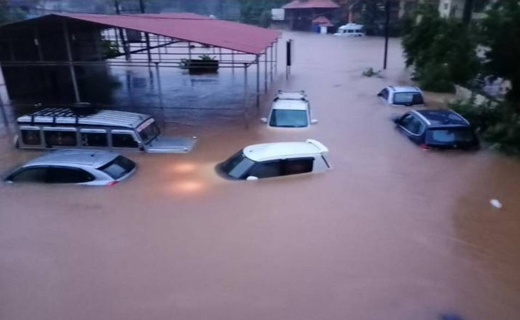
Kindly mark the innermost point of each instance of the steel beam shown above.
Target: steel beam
(71, 66)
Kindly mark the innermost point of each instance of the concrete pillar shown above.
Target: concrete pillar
(265, 70)
(257, 81)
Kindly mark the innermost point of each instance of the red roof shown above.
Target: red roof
(190, 27)
(311, 4)
(321, 20)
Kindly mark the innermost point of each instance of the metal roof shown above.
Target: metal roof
(74, 157)
(311, 4)
(279, 150)
(183, 26)
(65, 116)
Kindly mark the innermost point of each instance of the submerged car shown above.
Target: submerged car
(87, 128)
(276, 159)
(402, 96)
(437, 129)
(81, 167)
(290, 110)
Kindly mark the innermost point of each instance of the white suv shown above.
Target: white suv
(290, 110)
(277, 159)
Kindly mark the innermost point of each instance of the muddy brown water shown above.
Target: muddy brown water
(392, 232)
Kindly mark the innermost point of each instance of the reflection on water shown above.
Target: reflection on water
(392, 232)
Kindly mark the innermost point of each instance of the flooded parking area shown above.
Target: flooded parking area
(391, 232)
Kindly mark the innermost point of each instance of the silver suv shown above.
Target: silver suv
(82, 167)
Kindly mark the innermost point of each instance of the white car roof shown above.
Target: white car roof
(351, 26)
(404, 89)
(84, 158)
(290, 105)
(280, 150)
(291, 95)
(68, 116)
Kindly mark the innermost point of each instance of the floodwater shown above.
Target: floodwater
(392, 232)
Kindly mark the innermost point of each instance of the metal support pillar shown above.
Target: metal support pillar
(159, 88)
(276, 57)
(271, 62)
(38, 44)
(148, 51)
(189, 50)
(71, 66)
(245, 87)
(258, 81)
(233, 60)
(265, 70)
(11, 51)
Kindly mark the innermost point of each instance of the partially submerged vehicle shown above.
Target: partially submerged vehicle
(351, 30)
(59, 128)
(80, 167)
(276, 159)
(290, 110)
(438, 129)
(402, 96)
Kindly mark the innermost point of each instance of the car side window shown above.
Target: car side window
(29, 175)
(94, 139)
(123, 140)
(31, 137)
(68, 175)
(60, 138)
(384, 94)
(266, 169)
(412, 124)
(297, 166)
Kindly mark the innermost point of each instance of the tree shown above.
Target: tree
(443, 51)
(258, 12)
(500, 34)
(9, 13)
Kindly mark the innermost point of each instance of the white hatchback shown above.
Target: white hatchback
(276, 159)
(402, 96)
(290, 110)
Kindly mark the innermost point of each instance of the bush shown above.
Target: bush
(498, 124)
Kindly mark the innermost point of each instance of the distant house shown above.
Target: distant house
(301, 13)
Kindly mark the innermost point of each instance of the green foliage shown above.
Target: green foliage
(498, 124)
(501, 34)
(9, 13)
(258, 12)
(109, 48)
(441, 50)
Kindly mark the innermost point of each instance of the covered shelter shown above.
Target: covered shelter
(301, 13)
(53, 53)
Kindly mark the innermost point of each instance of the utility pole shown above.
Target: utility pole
(387, 22)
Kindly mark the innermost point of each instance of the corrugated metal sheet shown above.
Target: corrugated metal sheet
(311, 4)
(183, 26)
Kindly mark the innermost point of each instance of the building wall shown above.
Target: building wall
(451, 8)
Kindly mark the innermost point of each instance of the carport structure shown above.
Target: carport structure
(83, 41)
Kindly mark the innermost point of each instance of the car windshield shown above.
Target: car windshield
(149, 132)
(450, 136)
(408, 98)
(237, 165)
(288, 118)
(118, 167)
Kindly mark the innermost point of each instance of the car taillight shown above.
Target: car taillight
(424, 146)
(112, 183)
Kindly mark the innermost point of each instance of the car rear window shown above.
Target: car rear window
(450, 135)
(118, 167)
(408, 98)
(288, 118)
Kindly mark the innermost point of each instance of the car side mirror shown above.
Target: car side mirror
(314, 121)
(264, 120)
(252, 178)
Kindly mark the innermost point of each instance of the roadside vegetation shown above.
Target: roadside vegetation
(443, 53)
